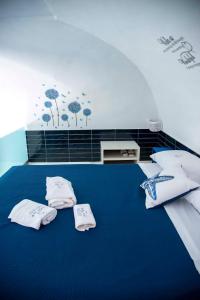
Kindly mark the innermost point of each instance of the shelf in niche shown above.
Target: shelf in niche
(112, 151)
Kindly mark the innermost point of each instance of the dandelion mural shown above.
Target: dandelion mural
(65, 118)
(74, 107)
(48, 104)
(46, 118)
(55, 109)
(87, 112)
(53, 94)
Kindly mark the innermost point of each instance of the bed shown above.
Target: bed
(133, 253)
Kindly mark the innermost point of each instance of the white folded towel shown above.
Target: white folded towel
(60, 193)
(32, 214)
(84, 218)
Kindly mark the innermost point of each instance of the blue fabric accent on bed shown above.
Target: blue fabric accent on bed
(159, 149)
(133, 253)
(150, 184)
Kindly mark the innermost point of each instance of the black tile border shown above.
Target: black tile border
(168, 141)
(84, 145)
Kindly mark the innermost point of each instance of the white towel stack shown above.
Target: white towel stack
(84, 218)
(32, 214)
(60, 193)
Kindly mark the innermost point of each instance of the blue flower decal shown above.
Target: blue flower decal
(74, 107)
(52, 94)
(46, 118)
(65, 118)
(87, 112)
(150, 184)
(48, 104)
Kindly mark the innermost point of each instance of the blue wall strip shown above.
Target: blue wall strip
(13, 150)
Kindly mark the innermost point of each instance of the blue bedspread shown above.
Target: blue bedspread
(133, 253)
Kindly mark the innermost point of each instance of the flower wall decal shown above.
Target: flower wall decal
(48, 104)
(87, 112)
(53, 94)
(65, 118)
(75, 107)
(61, 108)
(46, 118)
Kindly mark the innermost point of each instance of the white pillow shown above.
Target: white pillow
(175, 184)
(189, 162)
(194, 198)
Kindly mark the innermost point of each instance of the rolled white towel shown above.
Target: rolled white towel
(32, 214)
(60, 193)
(84, 218)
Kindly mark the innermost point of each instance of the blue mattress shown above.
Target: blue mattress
(133, 253)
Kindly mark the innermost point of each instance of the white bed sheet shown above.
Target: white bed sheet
(184, 217)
